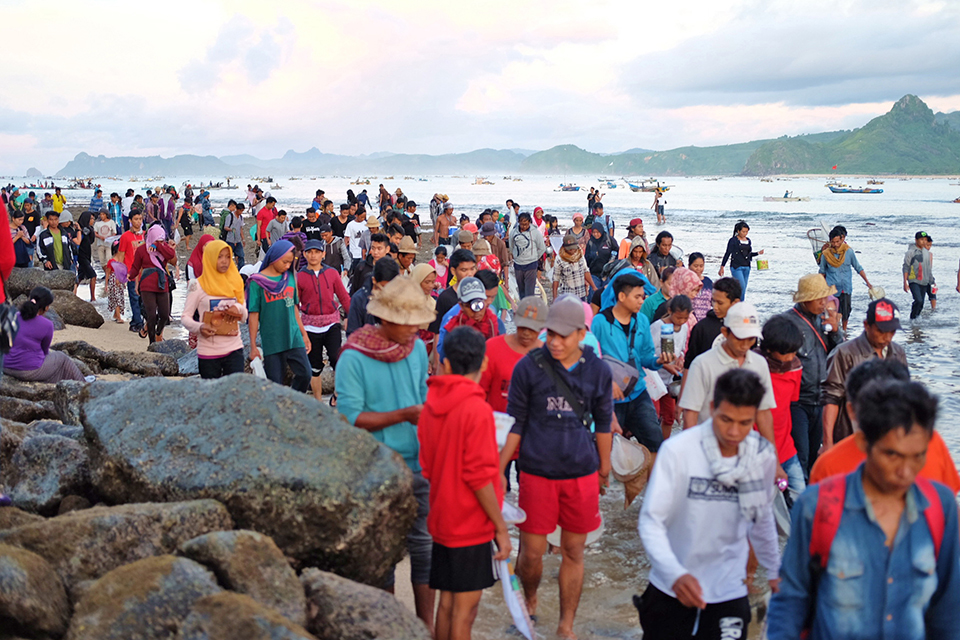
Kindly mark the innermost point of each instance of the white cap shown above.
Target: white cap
(743, 321)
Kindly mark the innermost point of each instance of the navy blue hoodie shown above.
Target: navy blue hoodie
(554, 443)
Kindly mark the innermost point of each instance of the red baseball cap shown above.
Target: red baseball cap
(884, 314)
(635, 222)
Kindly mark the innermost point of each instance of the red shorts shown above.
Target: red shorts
(573, 504)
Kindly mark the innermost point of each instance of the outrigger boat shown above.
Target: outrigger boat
(791, 199)
(852, 190)
(568, 187)
(647, 186)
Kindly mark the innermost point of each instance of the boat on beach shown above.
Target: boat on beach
(790, 199)
(567, 187)
(481, 181)
(834, 189)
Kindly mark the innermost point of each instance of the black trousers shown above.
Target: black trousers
(664, 618)
(156, 309)
(222, 366)
(330, 341)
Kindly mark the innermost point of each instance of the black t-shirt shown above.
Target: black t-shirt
(410, 225)
(312, 229)
(339, 228)
(660, 261)
(701, 337)
(445, 302)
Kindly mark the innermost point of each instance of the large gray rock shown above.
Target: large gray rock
(84, 351)
(34, 391)
(76, 311)
(175, 348)
(54, 317)
(46, 468)
(11, 437)
(22, 281)
(139, 363)
(66, 400)
(20, 410)
(32, 598)
(84, 545)
(55, 428)
(188, 364)
(145, 600)
(233, 616)
(250, 563)
(338, 609)
(284, 465)
(11, 518)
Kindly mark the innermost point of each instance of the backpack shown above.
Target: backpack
(826, 522)
(224, 229)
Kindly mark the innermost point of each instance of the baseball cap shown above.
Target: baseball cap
(464, 236)
(447, 205)
(488, 229)
(566, 316)
(324, 228)
(742, 320)
(66, 216)
(884, 314)
(921, 234)
(471, 289)
(635, 222)
(319, 245)
(411, 204)
(531, 313)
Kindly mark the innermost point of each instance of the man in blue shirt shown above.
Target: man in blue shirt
(883, 575)
(837, 264)
(624, 334)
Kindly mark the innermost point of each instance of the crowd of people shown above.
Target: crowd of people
(632, 344)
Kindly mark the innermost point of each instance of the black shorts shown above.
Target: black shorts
(328, 341)
(85, 270)
(844, 310)
(664, 618)
(187, 228)
(461, 569)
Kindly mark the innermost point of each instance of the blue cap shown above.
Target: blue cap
(319, 245)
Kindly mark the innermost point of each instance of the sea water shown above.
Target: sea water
(701, 214)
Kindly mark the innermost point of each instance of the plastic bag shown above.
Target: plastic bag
(655, 386)
(513, 596)
(627, 458)
(256, 365)
(504, 422)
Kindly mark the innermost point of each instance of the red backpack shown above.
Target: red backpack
(826, 518)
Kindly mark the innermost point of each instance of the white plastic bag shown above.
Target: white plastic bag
(504, 422)
(513, 596)
(257, 366)
(655, 386)
(627, 458)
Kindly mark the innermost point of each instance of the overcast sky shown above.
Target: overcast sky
(122, 77)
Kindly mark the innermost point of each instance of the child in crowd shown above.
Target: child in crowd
(439, 262)
(679, 309)
(116, 277)
(458, 454)
(781, 340)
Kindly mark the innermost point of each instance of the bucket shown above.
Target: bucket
(763, 265)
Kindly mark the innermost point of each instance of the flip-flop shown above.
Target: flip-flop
(333, 400)
(143, 332)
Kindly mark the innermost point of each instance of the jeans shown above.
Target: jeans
(919, 292)
(274, 366)
(239, 254)
(807, 433)
(223, 366)
(795, 479)
(526, 276)
(637, 417)
(136, 320)
(741, 275)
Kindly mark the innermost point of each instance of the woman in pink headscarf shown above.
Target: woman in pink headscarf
(153, 282)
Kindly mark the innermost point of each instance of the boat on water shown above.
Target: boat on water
(611, 185)
(853, 190)
(421, 179)
(766, 179)
(482, 181)
(874, 181)
(790, 199)
(359, 181)
(647, 186)
(568, 187)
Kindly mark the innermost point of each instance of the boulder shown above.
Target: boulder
(144, 600)
(11, 518)
(45, 469)
(174, 348)
(11, 437)
(32, 598)
(188, 364)
(231, 616)
(328, 380)
(20, 410)
(66, 399)
(54, 317)
(75, 310)
(338, 609)
(84, 545)
(73, 503)
(142, 363)
(22, 281)
(55, 428)
(34, 391)
(80, 350)
(286, 466)
(250, 563)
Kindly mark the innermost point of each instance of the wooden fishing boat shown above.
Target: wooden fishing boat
(852, 190)
(774, 199)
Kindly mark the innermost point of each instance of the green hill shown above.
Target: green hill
(906, 140)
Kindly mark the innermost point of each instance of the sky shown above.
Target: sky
(209, 77)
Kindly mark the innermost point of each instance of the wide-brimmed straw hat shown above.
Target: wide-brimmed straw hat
(401, 301)
(813, 287)
(481, 248)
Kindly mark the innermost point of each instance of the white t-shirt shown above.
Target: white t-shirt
(354, 231)
(104, 228)
(125, 205)
(679, 344)
(710, 365)
(690, 523)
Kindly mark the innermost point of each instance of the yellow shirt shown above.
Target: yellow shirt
(58, 201)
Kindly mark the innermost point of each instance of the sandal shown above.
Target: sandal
(333, 400)
(143, 332)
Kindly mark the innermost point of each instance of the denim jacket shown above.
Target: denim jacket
(868, 590)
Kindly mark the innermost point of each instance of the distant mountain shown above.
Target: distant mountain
(87, 165)
(33, 172)
(906, 140)
(951, 119)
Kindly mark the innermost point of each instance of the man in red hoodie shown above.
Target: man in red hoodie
(458, 454)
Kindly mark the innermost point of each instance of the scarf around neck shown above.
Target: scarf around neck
(371, 342)
(833, 259)
(155, 234)
(747, 475)
(571, 255)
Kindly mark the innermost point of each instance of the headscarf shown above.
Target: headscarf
(214, 283)
(276, 251)
(684, 282)
(421, 271)
(155, 234)
(196, 258)
(84, 220)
